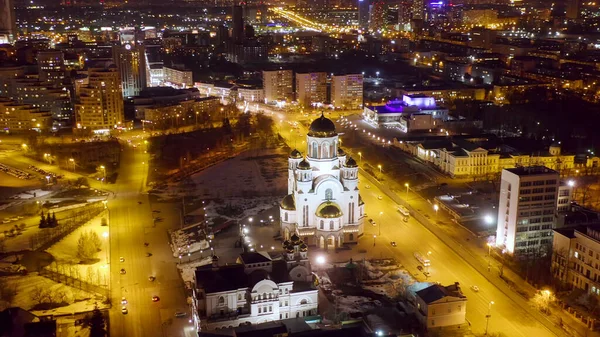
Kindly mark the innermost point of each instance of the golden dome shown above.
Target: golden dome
(322, 127)
(328, 210)
(288, 203)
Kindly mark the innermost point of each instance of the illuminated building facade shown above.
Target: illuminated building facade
(347, 91)
(100, 104)
(311, 88)
(130, 60)
(278, 85)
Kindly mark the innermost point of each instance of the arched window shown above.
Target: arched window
(325, 150)
(221, 300)
(264, 296)
(322, 225)
(305, 216)
(285, 216)
(239, 297)
(331, 225)
(328, 194)
(314, 151)
(351, 237)
(304, 301)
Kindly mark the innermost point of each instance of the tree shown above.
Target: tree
(40, 295)
(2, 245)
(43, 222)
(54, 221)
(85, 248)
(97, 324)
(7, 292)
(81, 181)
(95, 240)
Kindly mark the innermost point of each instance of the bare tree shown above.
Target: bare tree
(40, 295)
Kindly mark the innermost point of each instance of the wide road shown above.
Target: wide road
(131, 225)
(507, 316)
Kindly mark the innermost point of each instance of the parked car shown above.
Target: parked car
(475, 288)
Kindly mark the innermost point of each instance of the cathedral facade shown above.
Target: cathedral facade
(323, 205)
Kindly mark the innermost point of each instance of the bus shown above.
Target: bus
(404, 211)
(424, 261)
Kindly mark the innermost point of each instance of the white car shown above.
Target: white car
(124, 310)
(475, 288)
(123, 300)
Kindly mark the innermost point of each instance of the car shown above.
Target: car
(393, 243)
(122, 259)
(372, 222)
(379, 197)
(124, 310)
(420, 268)
(405, 219)
(180, 314)
(123, 271)
(367, 186)
(151, 278)
(123, 300)
(155, 298)
(475, 288)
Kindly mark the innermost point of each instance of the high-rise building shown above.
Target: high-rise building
(404, 15)
(418, 10)
(311, 88)
(573, 9)
(363, 14)
(154, 65)
(376, 16)
(100, 104)
(237, 32)
(130, 60)
(56, 101)
(278, 85)
(51, 66)
(347, 91)
(8, 22)
(526, 210)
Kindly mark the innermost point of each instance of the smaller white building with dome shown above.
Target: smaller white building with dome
(323, 205)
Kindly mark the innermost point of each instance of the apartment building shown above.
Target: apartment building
(17, 117)
(278, 85)
(347, 91)
(576, 257)
(177, 78)
(311, 88)
(526, 209)
(100, 103)
(51, 66)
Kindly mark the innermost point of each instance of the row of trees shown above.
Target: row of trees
(48, 221)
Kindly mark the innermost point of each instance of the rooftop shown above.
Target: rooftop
(531, 170)
(437, 292)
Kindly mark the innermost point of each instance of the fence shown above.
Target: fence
(75, 282)
(48, 236)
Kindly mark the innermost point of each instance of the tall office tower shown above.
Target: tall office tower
(8, 22)
(100, 104)
(131, 62)
(347, 91)
(573, 9)
(237, 32)
(51, 66)
(376, 16)
(363, 14)
(278, 85)
(311, 88)
(404, 15)
(526, 210)
(418, 10)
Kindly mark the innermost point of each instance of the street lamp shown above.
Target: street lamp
(487, 317)
(360, 156)
(548, 293)
(374, 237)
(379, 166)
(73, 162)
(436, 207)
(380, 214)
(488, 219)
(103, 168)
(406, 184)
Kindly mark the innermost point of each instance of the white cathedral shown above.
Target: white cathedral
(323, 205)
